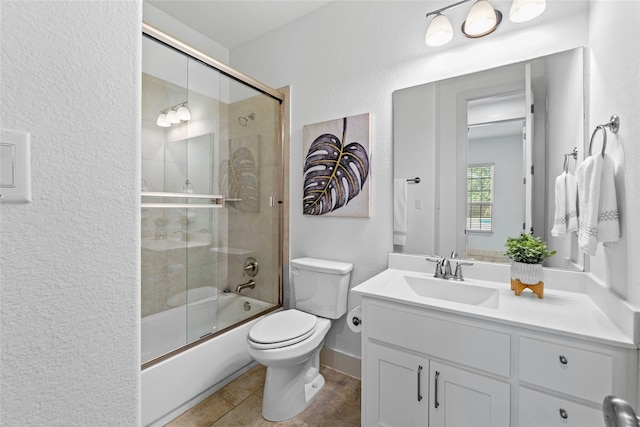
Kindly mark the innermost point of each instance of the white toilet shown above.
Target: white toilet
(288, 342)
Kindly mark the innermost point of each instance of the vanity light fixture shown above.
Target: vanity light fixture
(481, 20)
(179, 113)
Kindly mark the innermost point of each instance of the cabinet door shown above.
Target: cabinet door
(396, 388)
(462, 398)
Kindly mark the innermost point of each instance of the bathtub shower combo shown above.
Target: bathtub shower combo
(211, 221)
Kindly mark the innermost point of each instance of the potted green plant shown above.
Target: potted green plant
(527, 252)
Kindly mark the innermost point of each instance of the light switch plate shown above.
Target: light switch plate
(15, 166)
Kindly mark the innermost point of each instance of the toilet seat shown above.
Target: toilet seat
(282, 329)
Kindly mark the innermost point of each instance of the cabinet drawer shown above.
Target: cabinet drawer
(538, 409)
(453, 341)
(579, 372)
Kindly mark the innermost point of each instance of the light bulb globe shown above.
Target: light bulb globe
(439, 32)
(481, 20)
(183, 113)
(162, 121)
(172, 117)
(526, 10)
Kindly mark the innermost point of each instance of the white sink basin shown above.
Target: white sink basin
(448, 290)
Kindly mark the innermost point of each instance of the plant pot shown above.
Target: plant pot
(527, 274)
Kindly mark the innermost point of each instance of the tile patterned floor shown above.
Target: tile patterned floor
(239, 403)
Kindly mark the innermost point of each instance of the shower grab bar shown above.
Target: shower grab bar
(216, 201)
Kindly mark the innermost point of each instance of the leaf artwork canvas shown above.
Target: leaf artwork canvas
(337, 167)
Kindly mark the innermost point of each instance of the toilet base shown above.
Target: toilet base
(289, 390)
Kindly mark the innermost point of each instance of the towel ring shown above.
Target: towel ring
(604, 138)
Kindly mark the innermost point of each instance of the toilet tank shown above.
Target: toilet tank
(321, 286)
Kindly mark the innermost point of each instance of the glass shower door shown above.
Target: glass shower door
(211, 182)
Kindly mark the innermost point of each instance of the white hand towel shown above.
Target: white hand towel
(571, 210)
(560, 217)
(400, 212)
(588, 175)
(566, 198)
(608, 214)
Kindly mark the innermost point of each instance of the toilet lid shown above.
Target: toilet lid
(288, 326)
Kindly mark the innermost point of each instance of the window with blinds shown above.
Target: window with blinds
(480, 197)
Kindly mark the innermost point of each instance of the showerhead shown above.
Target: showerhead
(244, 120)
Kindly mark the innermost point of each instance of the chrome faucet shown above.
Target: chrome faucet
(446, 266)
(443, 266)
(250, 284)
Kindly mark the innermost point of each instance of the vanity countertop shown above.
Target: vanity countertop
(568, 313)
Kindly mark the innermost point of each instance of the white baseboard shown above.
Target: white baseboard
(342, 362)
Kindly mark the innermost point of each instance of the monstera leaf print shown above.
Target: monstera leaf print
(239, 176)
(333, 173)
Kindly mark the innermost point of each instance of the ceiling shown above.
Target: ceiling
(232, 23)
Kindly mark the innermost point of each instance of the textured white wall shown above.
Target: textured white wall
(614, 88)
(347, 58)
(69, 259)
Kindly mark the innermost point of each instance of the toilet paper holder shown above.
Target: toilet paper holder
(354, 320)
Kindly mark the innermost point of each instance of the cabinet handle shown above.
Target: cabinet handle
(563, 360)
(435, 399)
(563, 414)
(419, 374)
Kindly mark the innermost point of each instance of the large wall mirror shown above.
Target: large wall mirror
(487, 148)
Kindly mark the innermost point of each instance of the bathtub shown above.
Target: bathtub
(180, 382)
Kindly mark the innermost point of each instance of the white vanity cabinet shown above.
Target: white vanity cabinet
(421, 370)
(431, 368)
(405, 389)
